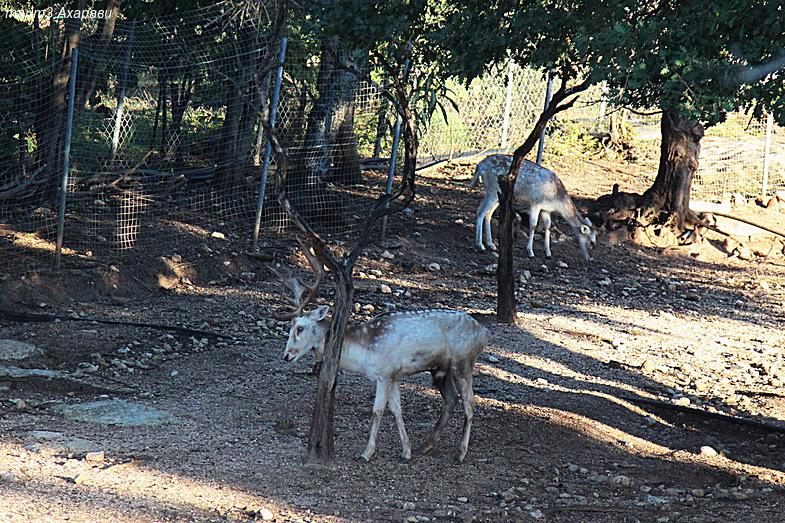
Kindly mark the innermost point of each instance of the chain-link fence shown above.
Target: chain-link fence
(167, 147)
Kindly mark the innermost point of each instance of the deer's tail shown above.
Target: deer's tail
(476, 178)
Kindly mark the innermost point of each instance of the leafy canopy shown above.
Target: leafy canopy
(704, 58)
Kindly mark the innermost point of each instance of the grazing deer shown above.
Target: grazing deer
(538, 187)
(445, 343)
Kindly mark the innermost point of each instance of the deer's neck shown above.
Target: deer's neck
(570, 213)
(355, 355)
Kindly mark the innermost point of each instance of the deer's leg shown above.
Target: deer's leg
(488, 216)
(446, 387)
(395, 408)
(379, 404)
(467, 394)
(480, 222)
(534, 216)
(546, 223)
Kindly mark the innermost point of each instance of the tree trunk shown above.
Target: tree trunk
(50, 117)
(505, 277)
(679, 152)
(330, 146)
(321, 444)
(92, 70)
(618, 130)
(234, 145)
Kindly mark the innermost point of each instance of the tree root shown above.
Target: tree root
(699, 412)
(15, 315)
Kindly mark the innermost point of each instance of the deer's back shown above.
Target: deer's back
(408, 342)
(534, 183)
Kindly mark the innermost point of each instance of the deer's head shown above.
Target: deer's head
(587, 237)
(306, 335)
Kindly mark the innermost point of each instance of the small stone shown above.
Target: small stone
(385, 289)
(573, 467)
(95, 456)
(490, 268)
(536, 304)
(527, 274)
(266, 514)
(248, 276)
(387, 255)
(692, 296)
(621, 481)
(697, 492)
(745, 253)
(604, 282)
(459, 221)
(562, 264)
(6, 477)
(218, 235)
(510, 495)
(433, 267)
(176, 258)
(173, 373)
(708, 452)
(462, 499)
(536, 513)
(407, 505)
(654, 500)
(491, 358)
(648, 366)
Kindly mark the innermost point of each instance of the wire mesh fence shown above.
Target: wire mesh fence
(167, 146)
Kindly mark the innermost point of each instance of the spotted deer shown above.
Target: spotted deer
(389, 347)
(541, 190)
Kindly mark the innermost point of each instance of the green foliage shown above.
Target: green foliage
(568, 137)
(705, 58)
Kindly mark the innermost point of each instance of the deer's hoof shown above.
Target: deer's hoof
(492, 247)
(426, 447)
(404, 459)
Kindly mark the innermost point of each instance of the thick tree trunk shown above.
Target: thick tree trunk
(618, 130)
(92, 70)
(235, 135)
(679, 152)
(50, 117)
(321, 444)
(329, 152)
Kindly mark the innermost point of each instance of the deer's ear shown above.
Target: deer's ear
(585, 229)
(319, 313)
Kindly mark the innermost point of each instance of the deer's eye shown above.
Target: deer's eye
(299, 330)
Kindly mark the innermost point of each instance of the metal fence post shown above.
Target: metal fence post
(268, 146)
(66, 157)
(507, 106)
(548, 91)
(394, 152)
(118, 117)
(767, 154)
(603, 103)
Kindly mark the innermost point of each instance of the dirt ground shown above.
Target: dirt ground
(608, 402)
